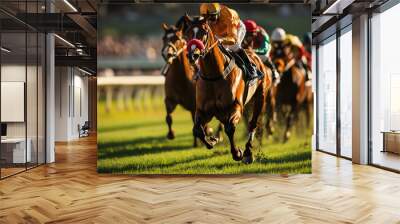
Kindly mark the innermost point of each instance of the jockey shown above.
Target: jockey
(227, 26)
(307, 41)
(261, 45)
(295, 49)
(278, 37)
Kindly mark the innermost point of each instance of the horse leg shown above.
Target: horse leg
(170, 106)
(257, 109)
(194, 137)
(269, 118)
(230, 128)
(289, 120)
(268, 126)
(308, 114)
(201, 119)
(219, 134)
(246, 118)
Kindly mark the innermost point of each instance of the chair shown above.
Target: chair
(84, 130)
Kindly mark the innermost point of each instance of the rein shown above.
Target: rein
(206, 51)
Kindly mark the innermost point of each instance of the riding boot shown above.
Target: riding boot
(252, 71)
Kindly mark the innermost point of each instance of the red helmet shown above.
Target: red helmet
(251, 26)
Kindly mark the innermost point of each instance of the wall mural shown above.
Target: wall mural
(204, 89)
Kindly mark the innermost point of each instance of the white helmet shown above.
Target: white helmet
(278, 34)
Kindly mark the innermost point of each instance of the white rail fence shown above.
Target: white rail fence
(122, 89)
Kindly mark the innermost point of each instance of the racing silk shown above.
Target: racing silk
(226, 26)
(306, 57)
(261, 42)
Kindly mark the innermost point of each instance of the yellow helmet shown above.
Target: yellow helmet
(293, 40)
(210, 8)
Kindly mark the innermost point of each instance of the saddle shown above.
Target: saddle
(235, 59)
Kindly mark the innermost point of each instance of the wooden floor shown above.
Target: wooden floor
(70, 191)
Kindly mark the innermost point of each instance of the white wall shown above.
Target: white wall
(71, 102)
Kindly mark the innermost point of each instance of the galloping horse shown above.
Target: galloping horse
(291, 91)
(221, 90)
(248, 44)
(179, 84)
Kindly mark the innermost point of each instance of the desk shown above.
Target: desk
(391, 141)
(16, 148)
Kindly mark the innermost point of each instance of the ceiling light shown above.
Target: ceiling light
(5, 50)
(65, 41)
(84, 71)
(70, 5)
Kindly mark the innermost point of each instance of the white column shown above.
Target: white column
(50, 92)
(50, 99)
(360, 90)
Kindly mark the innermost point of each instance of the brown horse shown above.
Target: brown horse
(291, 92)
(221, 91)
(248, 44)
(179, 84)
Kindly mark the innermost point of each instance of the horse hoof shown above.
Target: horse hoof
(209, 146)
(214, 140)
(286, 137)
(248, 159)
(238, 155)
(211, 142)
(171, 135)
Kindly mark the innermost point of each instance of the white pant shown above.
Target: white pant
(240, 37)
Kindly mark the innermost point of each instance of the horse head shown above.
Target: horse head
(200, 37)
(173, 42)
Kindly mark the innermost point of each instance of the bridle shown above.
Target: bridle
(176, 51)
(211, 46)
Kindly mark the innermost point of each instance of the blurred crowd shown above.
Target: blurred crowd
(133, 46)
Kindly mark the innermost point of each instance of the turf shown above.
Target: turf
(134, 142)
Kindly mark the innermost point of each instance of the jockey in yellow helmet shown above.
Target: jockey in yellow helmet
(294, 49)
(227, 26)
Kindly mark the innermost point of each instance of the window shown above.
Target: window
(327, 95)
(385, 89)
(346, 92)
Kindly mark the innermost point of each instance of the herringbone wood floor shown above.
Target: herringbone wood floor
(70, 191)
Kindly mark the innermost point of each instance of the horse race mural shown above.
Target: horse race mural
(204, 89)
